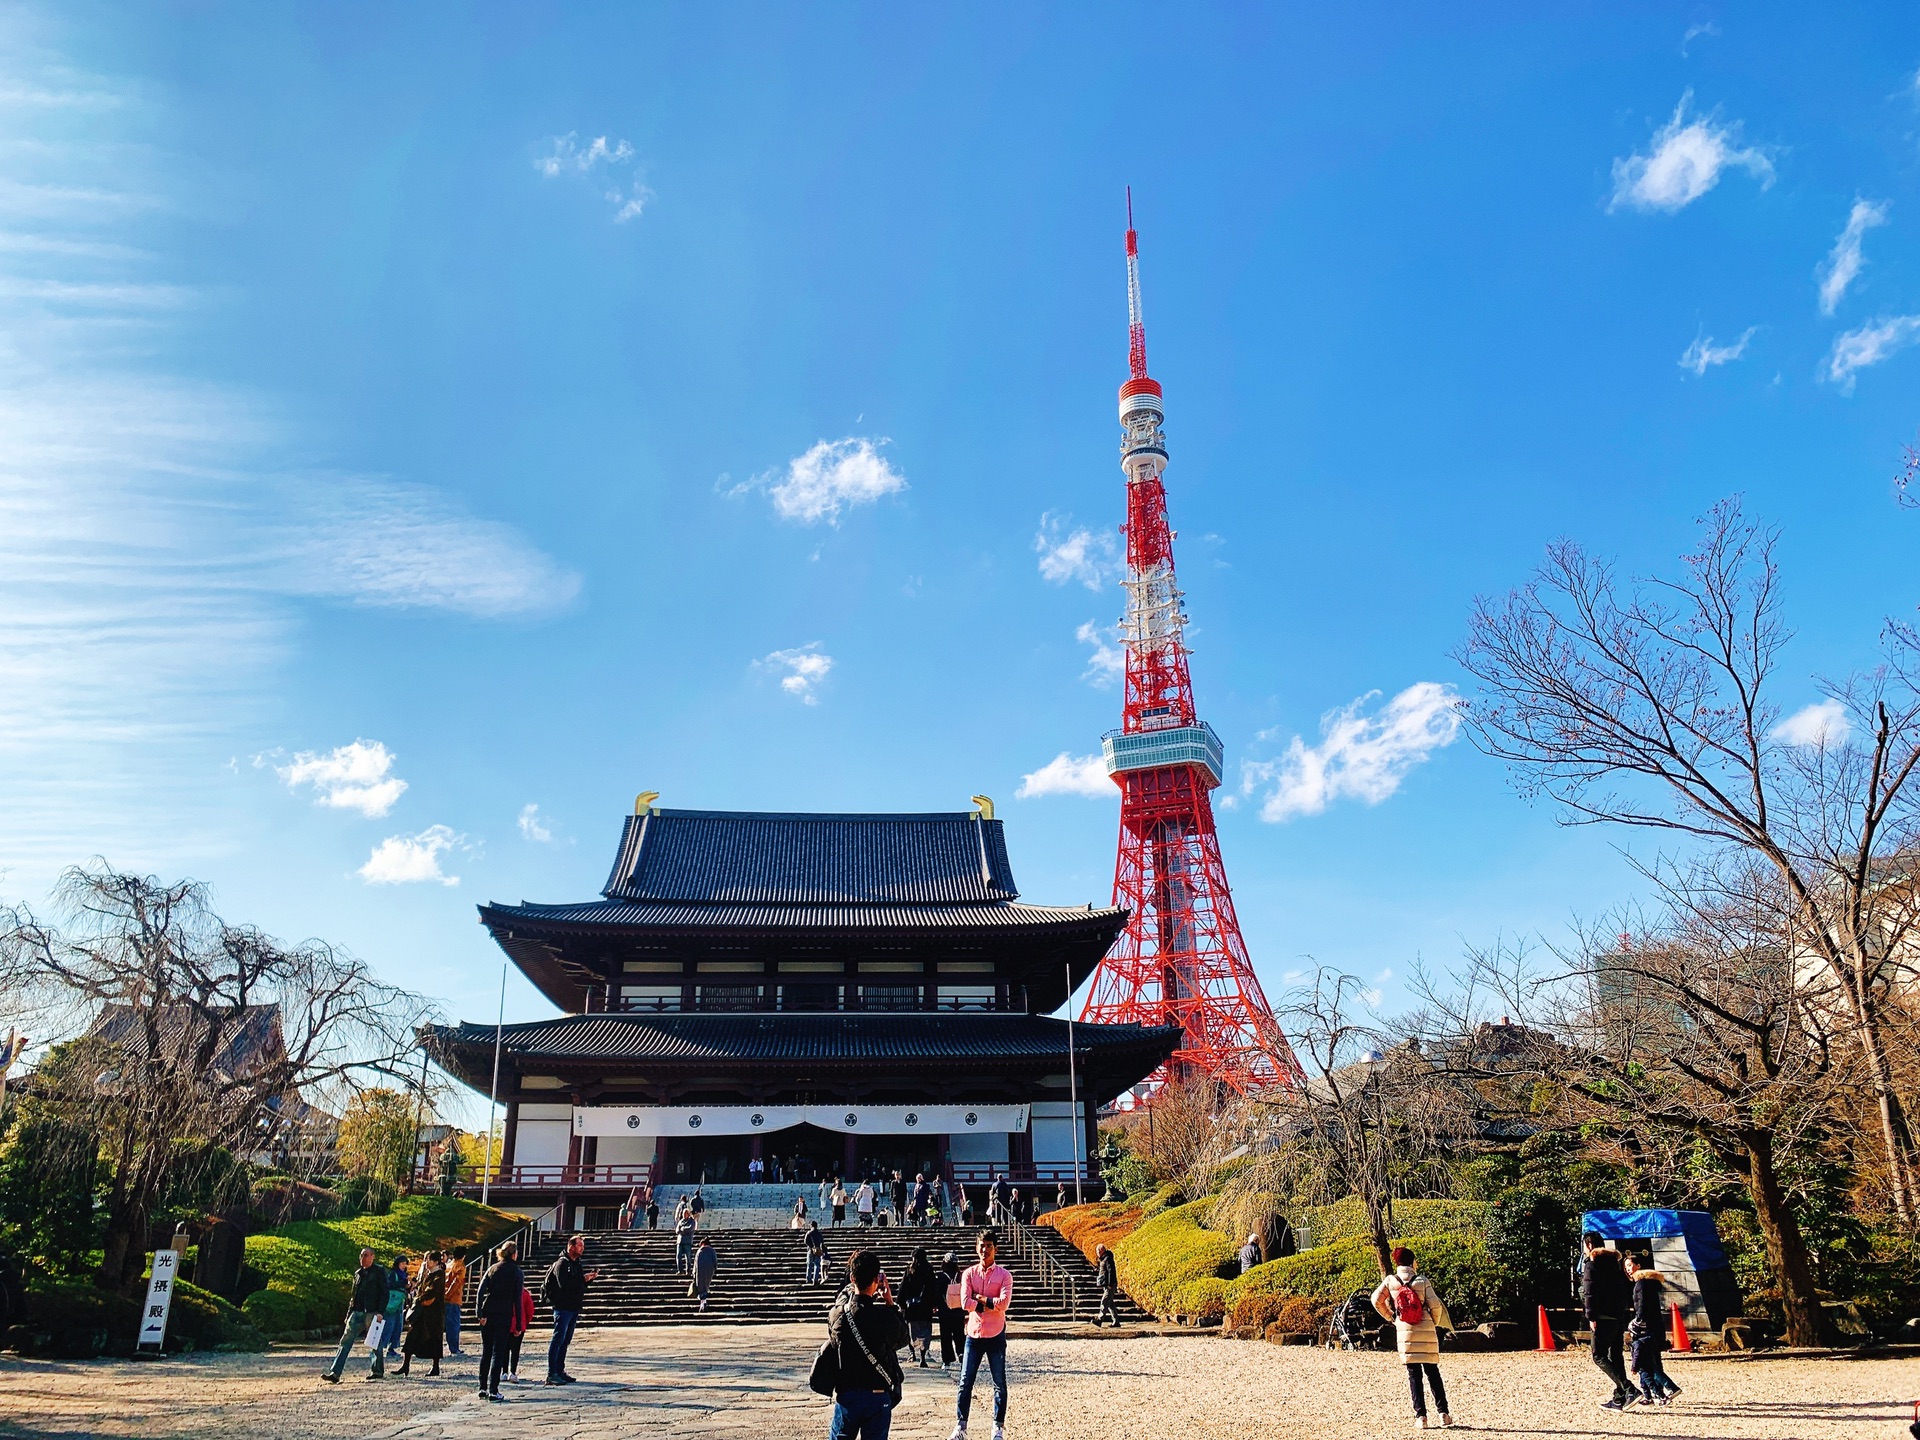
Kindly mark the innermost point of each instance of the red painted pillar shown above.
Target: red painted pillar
(850, 1159)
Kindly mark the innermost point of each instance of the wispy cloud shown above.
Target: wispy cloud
(1824, 723)
(1360, 756)
(1870, 344)
(411, 859)
(1067, 775)
(1108, 662)
(1703, 30)
(1070, 552)
(1683, 163)
(1702, 354)
(161, 536)
(802, 670)
(831, 476)
(350, 777)
(1843, 263)
(565, 155)
(532, 827)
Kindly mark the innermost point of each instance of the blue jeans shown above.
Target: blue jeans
(453, 1326)
(816, 1267)
(861, 1415)
(994, 1352)
(396, 1329)
(564, 1323)
(355, 1332)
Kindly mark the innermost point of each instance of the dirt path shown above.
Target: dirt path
(746, 1384)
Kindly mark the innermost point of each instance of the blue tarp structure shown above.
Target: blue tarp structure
(1696, 1227)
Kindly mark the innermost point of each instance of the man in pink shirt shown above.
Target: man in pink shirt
(986, 1290)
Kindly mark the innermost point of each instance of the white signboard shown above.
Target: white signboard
(153, 1320)
(765, 1119)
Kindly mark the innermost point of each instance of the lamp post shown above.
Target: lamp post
(1073, 1091)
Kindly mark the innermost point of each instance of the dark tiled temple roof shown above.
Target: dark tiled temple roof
(621, 914)
(249, 1038)
(713, 857)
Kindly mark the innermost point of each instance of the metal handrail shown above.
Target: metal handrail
(1028, 1246)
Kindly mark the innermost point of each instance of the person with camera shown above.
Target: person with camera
(867, 1333)
(986, 1290)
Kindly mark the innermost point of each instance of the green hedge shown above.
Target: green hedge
(308, 1266)
(1347, 1218)
(76, 1321)
(1163, 1199)
(1169, 1250)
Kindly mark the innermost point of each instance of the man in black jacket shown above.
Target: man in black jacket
(1106, 1279)
(369, 1303)
(867, 1335)
(1605, 1296)
(565, 1291)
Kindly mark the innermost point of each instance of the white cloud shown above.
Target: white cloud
(1067, 775)
(1360, 756)
(163, 534)
(1870, 344)
(533, 828)
(1823, 724)
(833, 475)
(411, 859)
(1069, 552)
(567, 155)
(1696, 32)
(1844, 261)
(352, 777)
(805, 668)
(630, 205)
(1703, 353)
(1683, 163)
(1108, 663)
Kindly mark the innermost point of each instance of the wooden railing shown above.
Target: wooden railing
(548, 1177)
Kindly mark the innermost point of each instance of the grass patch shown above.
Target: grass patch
(308, 1265)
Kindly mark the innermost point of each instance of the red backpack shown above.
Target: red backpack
(1407, 1306)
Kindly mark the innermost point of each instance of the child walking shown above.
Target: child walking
(1417, 1313)
(1646, 1332)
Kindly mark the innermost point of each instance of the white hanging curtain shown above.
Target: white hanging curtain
(765, 1119)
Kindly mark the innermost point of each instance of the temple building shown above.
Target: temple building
(828, 994)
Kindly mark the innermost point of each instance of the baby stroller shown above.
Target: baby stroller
(1357, 1325)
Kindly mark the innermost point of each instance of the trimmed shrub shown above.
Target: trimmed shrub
(1347, 1218)
(1163, 1199)
(282, 1200)
(1530, 1235)
(1473, 1287)
(74, 1321)
(1168, 1251)
(274, 1311)
(201, 1320)
(1085, 1226)
(368, 1194)
(1250, 1312)
(1201, 1302)
(1300, 1316)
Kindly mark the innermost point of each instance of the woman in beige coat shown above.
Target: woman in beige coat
(1408, 1300)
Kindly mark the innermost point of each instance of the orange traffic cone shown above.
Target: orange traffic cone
(1546, 1332)
(1682, 1341)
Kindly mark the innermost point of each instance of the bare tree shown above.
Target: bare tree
(195, 1033)
(1174, 1134)
(1648, 704)
(1692, 1029)
(1370, 1117)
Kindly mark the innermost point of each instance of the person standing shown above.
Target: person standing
(706, 1260)
(828, 1183)
(426, 1325)
(369, 1303)
(816, 1254)
(653, 1208)
(965, 1215)
(921, 1293)
(1106, 1279)
(867, 1333)
(1604, 1296)
(517, 1333)
(839, 1199)
(1646, 1332)
(497, 1308)
(756, 1171)
(953, 1320)
(1250, 1254)
(697, 1206)
(986, 1290)
(683, 1228)
(396, 1316)
(1408, 1300)
(997, 1196)
(565, 1292)
(921, 1198)
(863, 1202)
(456, 1297)
(899, 1198)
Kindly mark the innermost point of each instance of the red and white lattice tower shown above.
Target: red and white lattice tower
(1181, 959)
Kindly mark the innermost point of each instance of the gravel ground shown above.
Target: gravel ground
(745, 1384)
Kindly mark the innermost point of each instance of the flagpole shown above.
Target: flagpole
(493, 1095)
(1073, 1091)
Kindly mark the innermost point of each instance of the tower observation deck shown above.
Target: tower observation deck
(1181, 959)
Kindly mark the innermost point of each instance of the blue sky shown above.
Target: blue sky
(571, 401)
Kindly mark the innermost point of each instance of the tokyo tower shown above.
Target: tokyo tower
(1181, 959)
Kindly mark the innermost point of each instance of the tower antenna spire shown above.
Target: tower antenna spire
(1181, 960)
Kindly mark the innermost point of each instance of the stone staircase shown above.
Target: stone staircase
(762, 1274)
